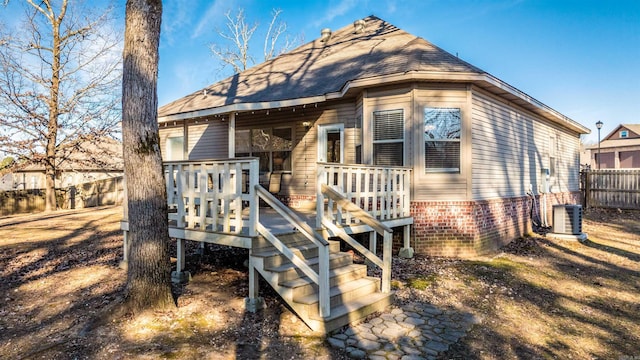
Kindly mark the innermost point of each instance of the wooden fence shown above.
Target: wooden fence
(611, 188)
(97, 193)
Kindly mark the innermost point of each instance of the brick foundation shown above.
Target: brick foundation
(468, 228)
(462, 228)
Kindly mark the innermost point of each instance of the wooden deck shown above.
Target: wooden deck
(218, 201)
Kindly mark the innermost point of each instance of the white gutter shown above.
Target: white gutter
(243, 107)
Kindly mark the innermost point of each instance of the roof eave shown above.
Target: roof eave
(483, 80)
(242, 107)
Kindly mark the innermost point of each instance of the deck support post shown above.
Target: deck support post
(373, 243)
(124, 263)
(386, 262)
(180, 276)
(406, 251)
(253, 302)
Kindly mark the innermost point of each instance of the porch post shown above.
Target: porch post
(232, 135)
(320, 179)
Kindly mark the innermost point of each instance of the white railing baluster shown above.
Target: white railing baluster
(226, 196)
(202, 207)
(210, 192)
(191, 205)
(238, 196)
(381, 191)
(182, 182)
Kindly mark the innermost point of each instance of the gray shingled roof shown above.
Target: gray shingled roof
(319, 68)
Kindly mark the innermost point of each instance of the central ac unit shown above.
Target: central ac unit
(567, 219)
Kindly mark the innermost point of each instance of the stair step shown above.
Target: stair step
(334, 246)
(302, 285)
(336, 260)
(350, 312)
(341, 294)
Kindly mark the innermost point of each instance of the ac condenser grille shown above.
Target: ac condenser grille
(567, 219)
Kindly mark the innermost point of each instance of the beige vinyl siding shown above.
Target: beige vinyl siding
(440, 186)
(302, 179)
(208, 140)
(166, 132)
(511, 146)
(384, 99)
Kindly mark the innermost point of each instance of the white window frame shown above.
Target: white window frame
(400, 140)
(322, 140)
(457, 170)
(169, 146)
(624, 134)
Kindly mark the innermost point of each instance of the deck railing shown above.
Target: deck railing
(321, 277)
(213, 195)
(383, 192)
(377, 227)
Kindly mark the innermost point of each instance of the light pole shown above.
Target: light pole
(599, 126)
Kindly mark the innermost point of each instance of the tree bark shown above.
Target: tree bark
(148, 278)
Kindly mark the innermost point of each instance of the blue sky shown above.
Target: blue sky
(581, 57)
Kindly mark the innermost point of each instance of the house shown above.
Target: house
(374, 94)
(380, 133)
(88, 161)
(618, 150)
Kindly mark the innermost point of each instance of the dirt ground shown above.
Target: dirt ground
(535, 298)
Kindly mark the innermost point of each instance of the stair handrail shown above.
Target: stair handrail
(321, 278)
(342, 202)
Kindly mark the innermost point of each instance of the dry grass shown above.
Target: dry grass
(538, 298)
(542, 298)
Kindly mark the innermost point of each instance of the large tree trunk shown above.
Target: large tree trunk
(50, 203)
(148, 280)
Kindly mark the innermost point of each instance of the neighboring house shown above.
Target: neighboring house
(89, 161)
(374, 94)
(618, 150)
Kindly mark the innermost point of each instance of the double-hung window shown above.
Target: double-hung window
(442, 139)
(388, 138)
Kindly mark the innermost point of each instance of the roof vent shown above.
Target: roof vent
(325, 34)
(358, 26)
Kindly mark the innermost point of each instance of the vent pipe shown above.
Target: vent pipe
(358, 26)
(325, 35)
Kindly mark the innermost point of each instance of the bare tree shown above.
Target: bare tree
(148, 279)
(59, 84)
(235, 48)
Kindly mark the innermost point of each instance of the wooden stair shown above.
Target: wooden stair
(353, 294)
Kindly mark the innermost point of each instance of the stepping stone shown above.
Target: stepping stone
(336, 343)
(368, 345)
(437, 346)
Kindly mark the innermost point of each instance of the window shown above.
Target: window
(175, 148)
(624, 133)
(388, 138)
(442, 139)
(271, 145)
